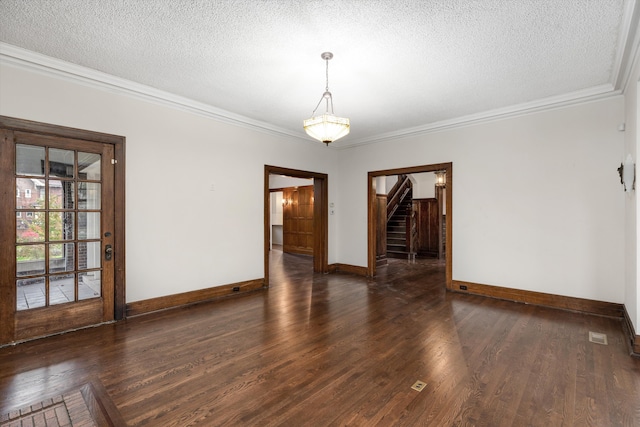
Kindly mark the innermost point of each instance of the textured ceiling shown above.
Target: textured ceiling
(399, 66)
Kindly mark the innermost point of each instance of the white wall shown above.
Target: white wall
(536, 200)
(537, 203)
(277, 236)
(181, 235)
(279, 181)
(632, 213)
(389, 183)
(276, 208)
(423, 185)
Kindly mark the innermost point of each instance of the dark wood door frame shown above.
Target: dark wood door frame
(371, 215)
(7, 198)
(320, 216)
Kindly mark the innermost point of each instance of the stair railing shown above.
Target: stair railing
(397, 194)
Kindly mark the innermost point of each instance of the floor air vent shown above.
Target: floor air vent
(598, 338)
(419, 385)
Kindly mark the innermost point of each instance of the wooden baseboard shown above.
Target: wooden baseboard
(346, 268)
(600, 308)
(186, 298)
(632, 338)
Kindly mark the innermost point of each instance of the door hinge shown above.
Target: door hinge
(114, 161)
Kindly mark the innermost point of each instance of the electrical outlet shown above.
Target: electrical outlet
(236, 289)
(463, 287)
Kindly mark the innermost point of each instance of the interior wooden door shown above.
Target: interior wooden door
(57, 252)
(298, 217)
(428, 226)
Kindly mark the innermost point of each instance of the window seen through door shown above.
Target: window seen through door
(58, 246)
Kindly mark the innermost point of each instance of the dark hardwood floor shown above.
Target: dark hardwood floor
(340, 349)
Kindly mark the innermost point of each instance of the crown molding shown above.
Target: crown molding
(36, 62)
(566, 100)
(627, 56)
(628, 46)
(53, 67)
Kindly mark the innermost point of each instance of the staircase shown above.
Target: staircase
(399, 211)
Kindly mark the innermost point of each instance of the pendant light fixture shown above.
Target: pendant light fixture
(327, 127)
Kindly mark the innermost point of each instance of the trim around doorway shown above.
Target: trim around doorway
(371, 214)
(320, 216)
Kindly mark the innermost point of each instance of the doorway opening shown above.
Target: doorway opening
(318, 237)
(377, 215)
(61, 229)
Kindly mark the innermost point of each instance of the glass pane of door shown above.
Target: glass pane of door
(58, 230)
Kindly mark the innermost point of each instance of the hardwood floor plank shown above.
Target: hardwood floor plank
(342, 349)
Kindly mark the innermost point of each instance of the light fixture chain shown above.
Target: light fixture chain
(315, 109)
(326, 95)
(326, 89)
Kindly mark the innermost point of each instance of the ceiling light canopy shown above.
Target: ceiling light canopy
(327, 127)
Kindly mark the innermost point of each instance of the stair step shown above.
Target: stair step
(396, 248)
(397, 255)
(396, 245)
(397, 227)
(397, 230)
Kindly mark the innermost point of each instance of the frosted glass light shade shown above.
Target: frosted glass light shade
(327, 127)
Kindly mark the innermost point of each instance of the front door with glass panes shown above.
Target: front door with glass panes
(63, 269)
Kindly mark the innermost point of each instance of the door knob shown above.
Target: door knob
(108, 252)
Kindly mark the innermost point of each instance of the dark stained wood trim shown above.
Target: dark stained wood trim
(118, 142)
(449, 227)
(119, 255)
(266, 214)
(320, 225)
(320, 216)
(371, 224)
(381, 230)
(600, 308)
(108, 225)
(14, 123)
(347, 268)
(137, 308)
(414, 169)
(632, 339)
(7, 240)
(371, 218)
(441, 217)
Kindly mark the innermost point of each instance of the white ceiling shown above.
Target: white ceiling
(399, 66)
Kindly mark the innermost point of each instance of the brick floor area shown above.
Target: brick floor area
(68, 410)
